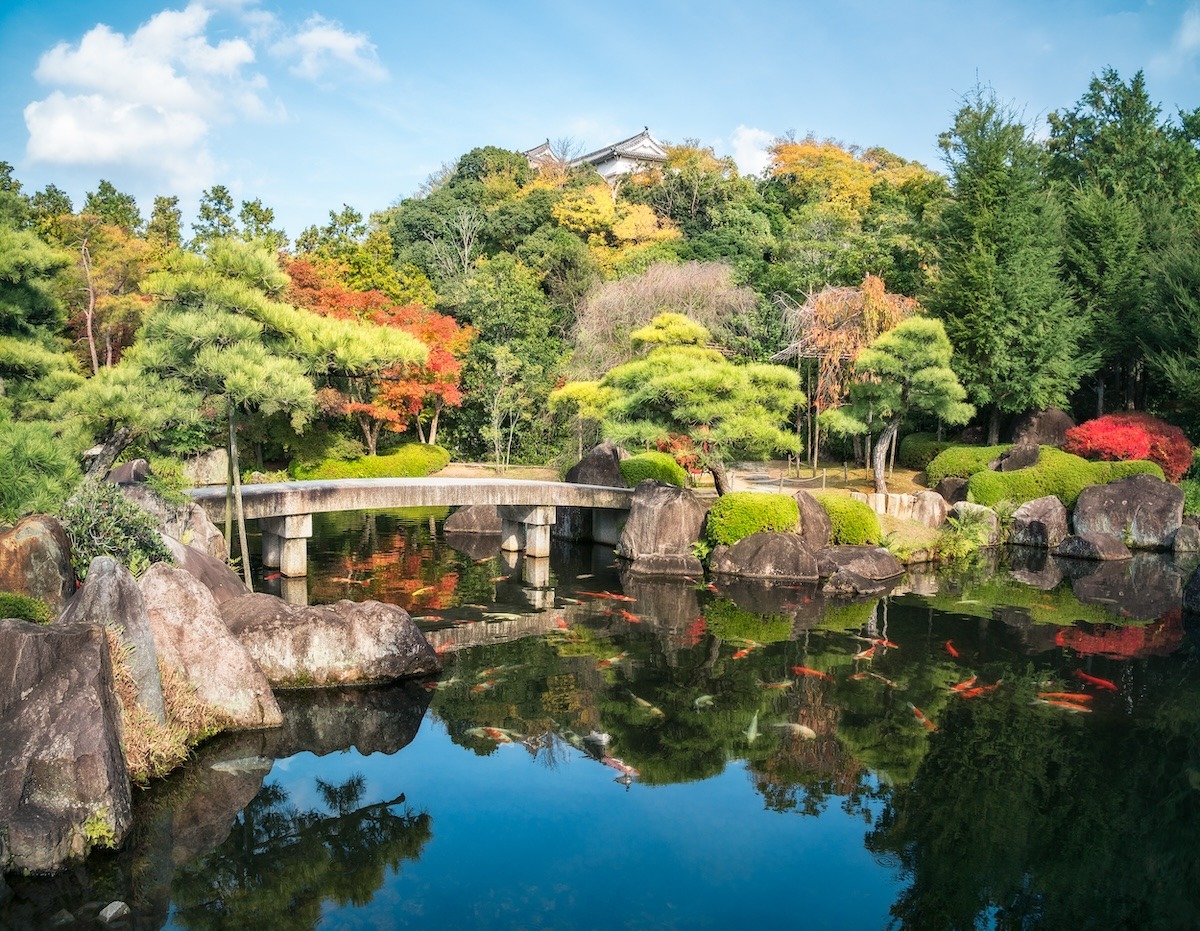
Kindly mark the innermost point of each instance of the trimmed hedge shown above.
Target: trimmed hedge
(917, 450)
(741, 513)
(24, 608)
(1057, 473)
(413, 460)
(962, 462)
(661, 467)
(852, 522)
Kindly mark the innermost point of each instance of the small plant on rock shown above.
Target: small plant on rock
(101, 521)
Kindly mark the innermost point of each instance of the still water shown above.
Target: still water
(1011, 746)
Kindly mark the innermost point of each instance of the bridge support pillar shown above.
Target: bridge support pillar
(285, 543)
(526, 527)
(606, 525)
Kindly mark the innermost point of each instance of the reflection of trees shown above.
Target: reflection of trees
(280, 864)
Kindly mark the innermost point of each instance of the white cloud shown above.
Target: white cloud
(322, 46)
(750, 149)
(1185, 45)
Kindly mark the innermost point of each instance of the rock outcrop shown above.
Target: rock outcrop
(214, 574)
(1041, 428)
(1019, 457)
(1041, 522)
(664, 521)
(1142, 511)
(781, 557)
(340, 644)
(601, 465)
(35, 560)
(63, 784)
(930, 508)
(853, 571)
(815, 526)
(191, 637)
(186, 522)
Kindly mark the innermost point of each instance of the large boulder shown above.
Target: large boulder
(1143, 511)
(952, 488)
(133, 472)
(1092, 546)
(664, 521)
(1041, 522)
(779, 557)
(815, 527)
(214, 574)
(600, 465)
(967, 511)
(63, 783)
(340, 644)
(1021, 456)
(869, 562)
(1041, 428)
(35, 560)
(473, 518)
(111, 596)
(192, 638)
(210, 468)
(930, 509)
(186, 522)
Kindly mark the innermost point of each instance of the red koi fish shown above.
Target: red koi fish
(920, 716)
(561, 623)
(950, 649)
(857, 676)
(271, 578)
(880, 642)
(711, 587)
(619, 765)
(741, 654)
(482, 687)
(865, 654)
(1065, 705)
(965, 684)
(815, 673)
(630, 616)
(1076, 697)
(1099, 683)
(980, 690)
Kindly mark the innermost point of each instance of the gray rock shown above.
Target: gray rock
(186, 522)
(340, 644)
(869, 562)
(846, 583)
(113, 911)
(815, 526)
(664, 521)
(781, 557)
(191, 638)
(475, 545)
(210, 468)
(35, 560)
(1041, 428)
(111, 596)
(1191, 594)
(1019, 457)
(474, 518)
(953, 489)
(1041, 522)
(600, 465)
(213, 574)
(930, 509)
(1093, 546)
(1144, 587)
(62, 766)
(133, 472)
(1187, 539)
(1142, 511)
(967, 511)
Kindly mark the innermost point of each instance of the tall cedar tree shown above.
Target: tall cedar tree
(998, 292)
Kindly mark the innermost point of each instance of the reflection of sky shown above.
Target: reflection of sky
(516, 843)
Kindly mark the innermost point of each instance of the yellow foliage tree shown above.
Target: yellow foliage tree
(589, 211)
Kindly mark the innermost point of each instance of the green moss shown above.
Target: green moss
(1056, 473)
(661, 467)
(413, 460)
(731, 623)
(852, 522)
(917, 450)
(741, 513)
(961, 462)
(98, 829)
(24, 608)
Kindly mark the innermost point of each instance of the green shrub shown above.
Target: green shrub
(413, 460)
(24, 608)
(102, 522)
(852, 522)
(961, 462)
(741, 513)
(37, 469)
(1191, 496)
(1056, 473)
(917, 450)
(661, 467)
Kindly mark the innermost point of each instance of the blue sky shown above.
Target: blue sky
(311, 106)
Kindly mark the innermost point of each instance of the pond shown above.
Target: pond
(1012, 745)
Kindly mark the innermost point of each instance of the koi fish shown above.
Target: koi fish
(781, 686)
(857, 676)
(815, 673)
(950, 649)
(920, 716)
(1064, 705)
(798, 730)
(1067, 696)
(630, 616)
(483, 687)
(880, 642)
(585, 575)
(443, 683)
(711, 587)
(561, 623)
(965, 684)
(703, 701)
(642, 703)
(752, 731)
(628, 598)
(349, 581)
(1105, 684)
(619, 765)
(605, 663)
(865, 654)
(495, 578)
(979, 690)
(272, 577)
(498, 734)
(888, 682)
(741, 654)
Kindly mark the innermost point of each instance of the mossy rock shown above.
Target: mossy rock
(962, 462)
(853, 522)
(741, 513)
(661, 467)
(413, 460)
(1056, 473)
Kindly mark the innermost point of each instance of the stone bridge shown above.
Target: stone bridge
(527, 509)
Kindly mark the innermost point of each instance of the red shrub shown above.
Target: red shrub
(1122, 437)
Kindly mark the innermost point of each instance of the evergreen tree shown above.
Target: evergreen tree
(113, 207)
(214, 218)
(165, 229)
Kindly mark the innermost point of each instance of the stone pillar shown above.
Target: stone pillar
(535, 572)
(606, 525)
(285, 539)
(294, 591)
(526, 527)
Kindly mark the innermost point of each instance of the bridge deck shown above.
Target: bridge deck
(281, 499)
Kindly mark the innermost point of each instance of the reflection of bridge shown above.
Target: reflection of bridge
(284, 510)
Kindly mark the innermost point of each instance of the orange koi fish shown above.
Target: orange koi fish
(856, 676)
(271, 578)
(605, 663)
(620, 597)
(920, 716)
(950, 649)
(483, 687)
(741, 654)
(496, 578)
(561, 623)
(965, 684)
(865, 654)
(1067, 696)
(880, 642)
(711, 587)
(630, 616)
(815, 673)
(1065, 705)
(1105, 684)
(619, 765)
